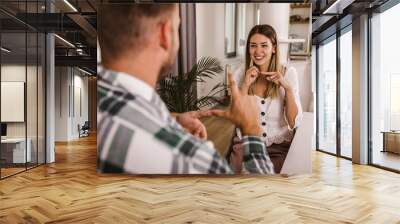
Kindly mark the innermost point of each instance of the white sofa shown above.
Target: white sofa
(298, 159)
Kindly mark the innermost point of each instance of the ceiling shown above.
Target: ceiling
(73, 20)
(331, 15)
(76, 22)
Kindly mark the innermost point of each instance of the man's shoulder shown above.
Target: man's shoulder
(105, 88)
(111, 99)
(121, 108)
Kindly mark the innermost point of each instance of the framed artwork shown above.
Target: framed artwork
(300, 29)
(299, 48)
(230, 29)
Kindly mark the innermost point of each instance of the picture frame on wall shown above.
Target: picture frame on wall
(300, 29)
(299, 48)
(231, 12)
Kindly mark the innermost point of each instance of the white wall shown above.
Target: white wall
(313, 78)
(277, 15)
(61, 103)
(79, 117)
(210, 41)
(33, 126)
(70, 84)
(12, 73)
(210, 30)
(304, 73)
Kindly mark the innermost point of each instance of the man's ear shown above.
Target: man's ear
(165, 29)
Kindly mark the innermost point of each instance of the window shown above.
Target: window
(327, 96)
(385, 89)
(346, 93)
(394, 119)
(22, 77)
(333, 137)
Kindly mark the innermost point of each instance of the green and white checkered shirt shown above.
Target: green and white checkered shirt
(137, 135)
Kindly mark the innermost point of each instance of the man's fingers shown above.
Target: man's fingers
(217, 112)
(203, 113)
(197, 133)
(202, 132)
(232, 85)
(236, 140)
(208, 113)
(234, 149)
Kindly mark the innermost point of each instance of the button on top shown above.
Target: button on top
(263, 101)
(262, 113)
(263, 123)
(264, 134)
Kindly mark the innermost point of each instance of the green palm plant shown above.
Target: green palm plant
(179, 92)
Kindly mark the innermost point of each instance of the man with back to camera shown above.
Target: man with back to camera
(136, 132)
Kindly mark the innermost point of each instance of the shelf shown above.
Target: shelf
(290, 40)
(302, 22)
(302, 6)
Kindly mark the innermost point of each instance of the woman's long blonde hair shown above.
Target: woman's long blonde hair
(274, 65)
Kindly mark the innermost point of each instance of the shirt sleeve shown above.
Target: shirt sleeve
(256, 158)
(291, 78)
(170, 151)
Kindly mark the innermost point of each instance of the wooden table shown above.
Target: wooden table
(391, 141)
(220, 132)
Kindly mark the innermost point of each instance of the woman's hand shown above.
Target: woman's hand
(277, 78)
(251, 76)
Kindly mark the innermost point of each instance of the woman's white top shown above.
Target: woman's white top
(273, 120)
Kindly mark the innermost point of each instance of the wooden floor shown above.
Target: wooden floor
(387, 159)
(70, 191)
(10, 171)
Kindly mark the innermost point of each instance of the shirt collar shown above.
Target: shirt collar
(132, 84)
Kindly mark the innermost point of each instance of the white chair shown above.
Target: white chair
(298, 159)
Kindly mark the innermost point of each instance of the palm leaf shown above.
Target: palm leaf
(179, 92)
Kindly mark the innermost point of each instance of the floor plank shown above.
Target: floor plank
(71, 191)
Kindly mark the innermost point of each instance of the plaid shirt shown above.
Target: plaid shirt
(136, 134)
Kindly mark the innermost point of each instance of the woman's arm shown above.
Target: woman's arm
(293, 111)
(290, 84)
(291, 107)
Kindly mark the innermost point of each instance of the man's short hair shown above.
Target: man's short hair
(123, 27)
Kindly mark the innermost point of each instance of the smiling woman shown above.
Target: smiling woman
(277, 94)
